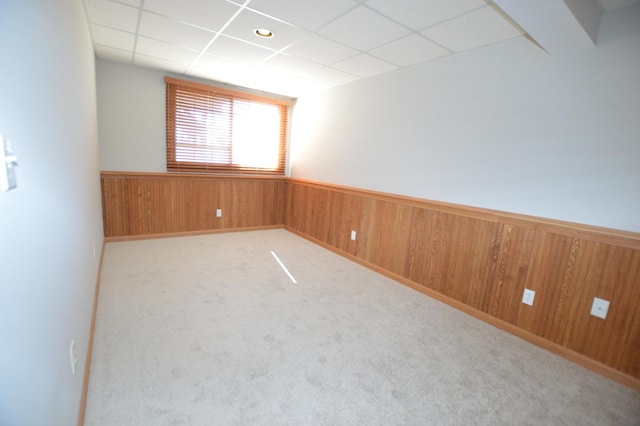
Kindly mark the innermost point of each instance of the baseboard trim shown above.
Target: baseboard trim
(87, 368)
(92, 326)
(189, 233)
(588, 363)
(562, 351)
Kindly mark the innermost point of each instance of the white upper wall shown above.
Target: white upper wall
(52, 221)
(506, 127)
(131, 118)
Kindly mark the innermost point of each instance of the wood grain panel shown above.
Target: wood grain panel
(381, 233)
(474, 259)
(483, 260)
(517, 246)
(144, 204)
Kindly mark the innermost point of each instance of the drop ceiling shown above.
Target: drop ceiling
(317, 44)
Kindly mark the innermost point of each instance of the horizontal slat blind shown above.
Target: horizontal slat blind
(218, 130)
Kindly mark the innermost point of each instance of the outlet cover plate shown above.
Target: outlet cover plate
(218, 212)
(528, 296)
(353, 235)
(600, 308)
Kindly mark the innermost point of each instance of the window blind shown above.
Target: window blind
(212, 129)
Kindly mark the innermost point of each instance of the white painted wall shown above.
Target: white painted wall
(506, 127)
(131, 111)
(131, 116)
(48, 225)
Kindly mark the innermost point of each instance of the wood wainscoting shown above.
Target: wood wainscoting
(476, 260)
(481, 261)
(139, 204)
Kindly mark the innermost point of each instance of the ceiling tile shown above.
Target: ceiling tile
(364, 65)
(291, 64)
(232, 48)
(319, 49)
(290, 86)
(104, 36)
(232, 72)
(478, 28)
(162, 50)
(409, 50)
(317, 44)
(210, 14)
(114, 55)
(243, 25)
(165, 29)
(113, 15)
(213, 61)
(309, 14)
(216, 68)
(286, 85)
(332, 77)
(363, 29)
(419, 14)
(158, 63)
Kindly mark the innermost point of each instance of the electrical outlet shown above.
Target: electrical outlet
(218, 212)
(72, 356)
(600, 308)
(353, 235)
(528, 296)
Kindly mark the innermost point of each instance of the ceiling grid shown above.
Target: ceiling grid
(317, 44)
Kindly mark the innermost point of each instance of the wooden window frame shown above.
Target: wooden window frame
(174, 85)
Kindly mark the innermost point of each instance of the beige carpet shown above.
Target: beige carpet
(210, 330)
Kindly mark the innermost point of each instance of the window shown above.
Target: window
(210, 129)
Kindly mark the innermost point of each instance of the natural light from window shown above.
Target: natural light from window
(256, 132)
(217, 130)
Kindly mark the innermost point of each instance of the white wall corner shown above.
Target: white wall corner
(559, 26)
(587, 13)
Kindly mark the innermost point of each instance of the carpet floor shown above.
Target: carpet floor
(210, 330)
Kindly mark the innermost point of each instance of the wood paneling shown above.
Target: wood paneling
(92, 328)
(483, 260)
(476, 260)
(161, 203)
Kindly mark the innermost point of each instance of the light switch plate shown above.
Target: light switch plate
(72, 357)
(8, 163)
(600, 308)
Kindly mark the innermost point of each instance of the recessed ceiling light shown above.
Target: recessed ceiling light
(263, 32)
